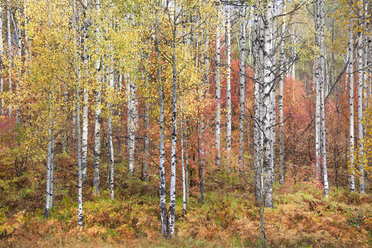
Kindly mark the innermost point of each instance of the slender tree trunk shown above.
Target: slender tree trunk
(97, 115)
(360, 108)
(132, 123)
(280, 105)
(162, 190)
(84, 138)
(109, 128)
(228, 88)
(146, 143)
(73, 131)
(317, 101)
(217, 81)
(273, 39)
(184, 203)
(97, 140)
(268, 82)
(257, 106)
(187, 164)
(80, 181)
(172, 203)
(242, 85)
(119, 111)
(322, 99)
(351, 99)
(10, 48)
(49, 163)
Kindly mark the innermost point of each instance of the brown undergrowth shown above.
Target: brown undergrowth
(302, 217)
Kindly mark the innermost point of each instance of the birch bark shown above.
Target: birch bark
(350, 70)
(280, 104)
(162, 190)
(360, 106)
(242, 82)
(10, 48)
(172, 203)
(218, 93)
(97, 115)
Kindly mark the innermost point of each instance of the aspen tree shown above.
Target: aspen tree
(85, 57)
(146, 142)
(109, 126)
(172, 203)
(162, 190)
(350, 72)
(280, 102)
(132, 122)
(217, 82)
(360, 104)
(317, 92)
(10, 51)
(320, 4)
(98, 109)
(228, 86)
(242, 84)
(257, 104)
(267, 170)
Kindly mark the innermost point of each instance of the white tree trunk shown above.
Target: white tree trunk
(172, 203)
(146, 143)
(109, 121)
(132, 123)
(322, 98)
(80, 180)
(350, 70)
(10, 48)
(187, 164)
(257, 105)
(162, 185)
(84, 138)
(317, 101)
(360, 109)
(228, 88)
(242, 82)
(184, 200)
(97, 115)
(217, 81)
(267, 170)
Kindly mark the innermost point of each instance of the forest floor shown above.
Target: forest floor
(301, 217)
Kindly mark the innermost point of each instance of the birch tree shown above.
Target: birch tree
(360, 103)
(162, 190)
(242, 84)
(10, 50)
(280, 102)
(228, 86)
(98, 110)
(267, 170)
(172, 203)
(350, 69)
(217, 82)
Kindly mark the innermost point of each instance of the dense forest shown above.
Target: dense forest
(189, 123)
